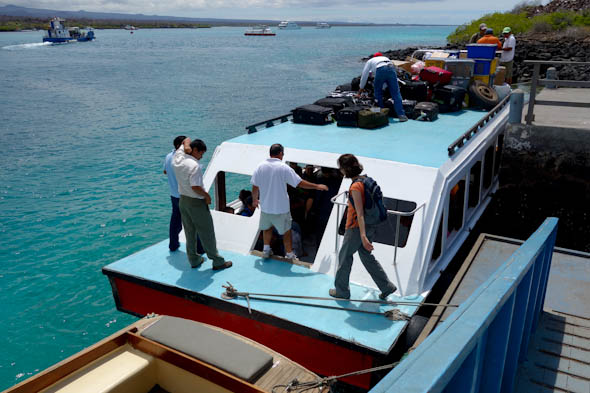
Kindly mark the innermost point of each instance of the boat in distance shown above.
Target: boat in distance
(169, 354)
(286, 25)
(59, 34)
(260, 30)
(322, 25)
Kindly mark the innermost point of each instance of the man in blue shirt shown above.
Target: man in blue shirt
(175, 219)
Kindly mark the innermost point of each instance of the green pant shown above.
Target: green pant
(197, 221)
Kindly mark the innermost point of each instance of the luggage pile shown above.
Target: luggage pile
(445, 82)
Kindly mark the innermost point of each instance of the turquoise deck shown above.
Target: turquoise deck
(413, 142)
(253, 274)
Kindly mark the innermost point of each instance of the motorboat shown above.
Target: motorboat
(58, 33)
(260, 30)
(286, 25)
(170, 354)
(322, 25)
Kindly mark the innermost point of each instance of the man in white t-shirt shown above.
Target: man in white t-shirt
(269, 189)
(507, 57)
(194, 204)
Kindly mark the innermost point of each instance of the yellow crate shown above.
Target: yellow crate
(440, 63)
(493, 66)
(482, 78)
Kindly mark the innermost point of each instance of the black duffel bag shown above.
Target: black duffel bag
(312, 114)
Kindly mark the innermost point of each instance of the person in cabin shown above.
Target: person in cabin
(194, 204)
(357, 237)
(384, 72)
(490, 38)
(175, 219)
(508, 50)
(482, 31)
(245, 197)
(269, 191)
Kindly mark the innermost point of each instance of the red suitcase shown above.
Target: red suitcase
(436, 75)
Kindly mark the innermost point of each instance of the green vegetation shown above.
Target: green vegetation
(520, 22)
(16, 24)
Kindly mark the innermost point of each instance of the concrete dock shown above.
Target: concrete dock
(562, 116)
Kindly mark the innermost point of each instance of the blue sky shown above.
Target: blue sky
(375, 11)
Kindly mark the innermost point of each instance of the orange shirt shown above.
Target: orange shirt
(351, 217)
(490, 39)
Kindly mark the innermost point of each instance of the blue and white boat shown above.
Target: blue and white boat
(286, 25)
(59, 34)
(437, 179)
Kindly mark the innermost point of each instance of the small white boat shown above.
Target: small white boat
(260, 30)
(322, 25)
(130, 27)
(286, 25)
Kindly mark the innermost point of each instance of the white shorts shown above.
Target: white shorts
(282, 222)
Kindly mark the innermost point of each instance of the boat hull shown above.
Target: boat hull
(312, 349)
(269, 34)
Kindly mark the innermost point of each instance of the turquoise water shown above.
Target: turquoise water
(83, 130)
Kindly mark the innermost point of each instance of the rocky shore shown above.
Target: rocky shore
(539, 47)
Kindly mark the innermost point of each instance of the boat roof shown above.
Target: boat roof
(253, 274)
(413, 142)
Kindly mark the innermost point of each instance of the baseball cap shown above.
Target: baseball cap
(483, 26)
(506, 30)
(378, 54)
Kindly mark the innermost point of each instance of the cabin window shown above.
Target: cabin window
(231, 193)
(474, 184)
(438, 242)
(488, 165)
(456, 204)
(386, 230)
(499, 148)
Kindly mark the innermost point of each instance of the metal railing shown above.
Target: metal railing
(399, 215)
(478, 347)
(268, 123)
(530, 117)
(463, 139)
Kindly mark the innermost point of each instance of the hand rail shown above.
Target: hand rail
(399, 214)
(535, 81)
(463, 139)
(268, 123)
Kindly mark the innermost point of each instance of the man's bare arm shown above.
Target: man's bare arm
(255, 195)
(201, 191)
(312, 186)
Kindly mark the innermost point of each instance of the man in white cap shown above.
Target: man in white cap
(479, 34)
(507, 57)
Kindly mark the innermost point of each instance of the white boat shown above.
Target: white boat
(322, 25)
(130, 27)
(286, 25)
(260, 30)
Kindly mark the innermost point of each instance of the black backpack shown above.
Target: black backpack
(375, 212)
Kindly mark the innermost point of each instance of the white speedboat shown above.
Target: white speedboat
(322, 25)
(286, 25)
(260, 30)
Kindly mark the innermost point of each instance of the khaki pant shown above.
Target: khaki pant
(197, 221)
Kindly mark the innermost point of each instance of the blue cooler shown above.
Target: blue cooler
(481, 51)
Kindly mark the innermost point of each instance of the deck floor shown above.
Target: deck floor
(253, 274)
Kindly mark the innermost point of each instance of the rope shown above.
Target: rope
(300, 387)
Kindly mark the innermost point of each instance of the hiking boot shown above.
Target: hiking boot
(225, 265)
(267, 253)
(197, 262)
(384, 295)
(403, 118)
(333, 293)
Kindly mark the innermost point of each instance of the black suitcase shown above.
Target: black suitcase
(312, 114)
(426, 111)
(336, 103)
(349, 116)
(371, 120)
(449, 98)
(408, 108)
(414, 90)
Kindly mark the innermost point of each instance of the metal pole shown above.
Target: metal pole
(530, 116)
(516, 107)
(396, 239)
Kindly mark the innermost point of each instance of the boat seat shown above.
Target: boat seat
(212, 346)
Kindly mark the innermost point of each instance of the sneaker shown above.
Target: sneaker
(403, 118)
(291, 255)
(333, 293)
(384, 295)
(267, 253)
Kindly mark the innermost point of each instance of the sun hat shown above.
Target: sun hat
(506, 30)
(483, 26)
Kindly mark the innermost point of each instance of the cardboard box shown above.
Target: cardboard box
(404, 65)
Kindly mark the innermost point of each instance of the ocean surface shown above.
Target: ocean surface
(84, 128)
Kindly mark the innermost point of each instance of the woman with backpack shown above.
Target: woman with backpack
(358, 235)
